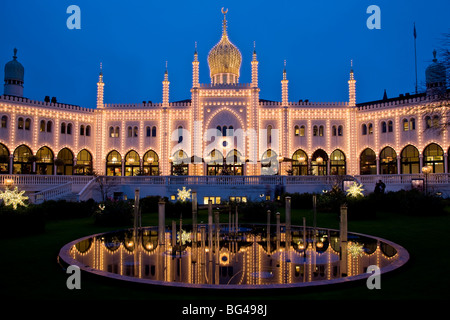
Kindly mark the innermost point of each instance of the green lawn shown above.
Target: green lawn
(29, 268)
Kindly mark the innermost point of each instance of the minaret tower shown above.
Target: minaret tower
(284, 87)
(14, 77)
(254, 68)
(166, 88)
(100, 86)
(195, 69)
(352, 88)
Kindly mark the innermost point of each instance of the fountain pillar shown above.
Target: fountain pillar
(268, 231)
(314, 215)
(278, 231)
(343, 241)
(216, 247)
(137, 226)
(194, 216)
(288, 223)
(174, 233)
(210, 229)
(161, 222)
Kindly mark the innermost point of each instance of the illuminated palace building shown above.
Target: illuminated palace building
(224, 132)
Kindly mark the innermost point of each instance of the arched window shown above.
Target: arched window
(224, 131)
(132, 163)
(180, 134)
(405, 125)
(340, 131)
(234, 164)
(23, 160)
(64, 165)
(433, 157)
(370, 128)
(364, 129)
(320, 131)
(302, 131)
(410, 160)
(69, 128)
(4, 121)
(4, 159)
(82, 130)
(27, 123)
(390, 126)
(114, 164)
(20, 123)
(337, 163)
(219, 131)
(44, 161)
(319, 163)
(117, 132)
(111, 132)
(315, 131)
(214, 163)
(383, 127)
(135, 132)
(49, 126)
(428, 122)
(42, 126)
(153, 131)
(296, 131)
(436, 122)
(299, 163)
(230, 131)
(269, 163)
(334, 131)
(63, 128)
(88, 131)
(412, 124)
(269, 134)
(388, 161)
(180, 163)
(84, 162)
(150, 163)
(148, 131)
(368, 162)
(130, 132)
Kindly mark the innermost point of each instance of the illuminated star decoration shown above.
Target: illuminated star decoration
(355, 190)
(355, 249)
(13, 197)
(185, 236)
(184, 194)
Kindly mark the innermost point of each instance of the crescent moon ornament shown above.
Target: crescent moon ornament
(224, 11)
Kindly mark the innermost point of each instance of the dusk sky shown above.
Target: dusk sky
(134, 39)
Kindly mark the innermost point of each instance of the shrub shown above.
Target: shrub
(256, 211)
(62, 209)
(299, 200)
(114, 213)
(22, 221)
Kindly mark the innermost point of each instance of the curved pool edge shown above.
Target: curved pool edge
(402, 260)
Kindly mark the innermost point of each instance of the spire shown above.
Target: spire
(284, 88)
(15, 54)
(166, 74)
(434, 55)
(351, 87)
(224, 26)
(254, 51)
(195, 52)
(100, 88)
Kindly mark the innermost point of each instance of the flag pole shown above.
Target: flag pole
(415, 53)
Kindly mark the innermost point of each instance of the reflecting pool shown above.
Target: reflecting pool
(250, 256)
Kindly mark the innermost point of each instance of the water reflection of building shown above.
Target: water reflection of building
(250, 261)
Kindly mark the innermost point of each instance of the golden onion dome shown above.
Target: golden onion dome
(224, 57)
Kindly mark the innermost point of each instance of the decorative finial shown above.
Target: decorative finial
(351, 65)
(224, 31)
(101, 68)
(15, 54)
(434, 55)
(195, 47)
(254, 47)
